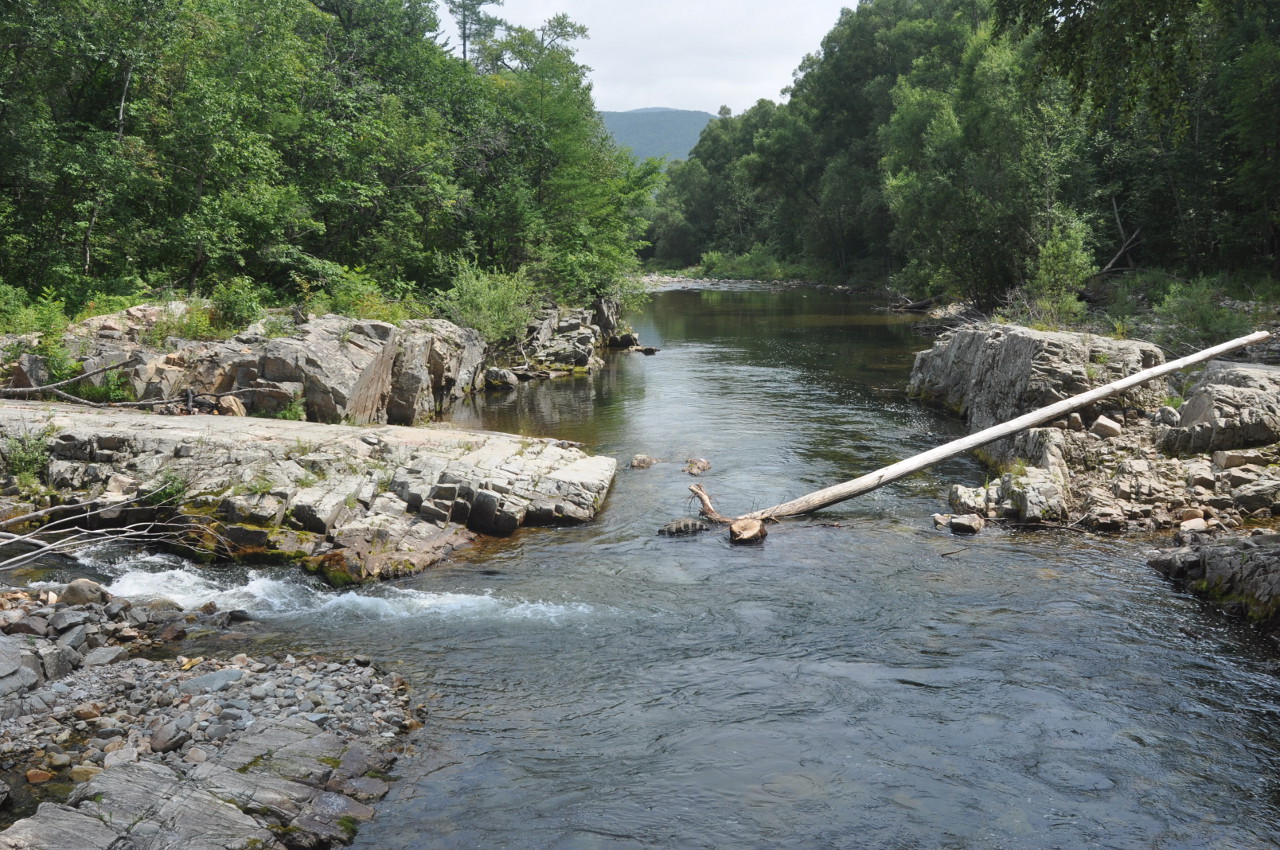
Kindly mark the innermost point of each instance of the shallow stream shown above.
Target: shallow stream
(860, 681)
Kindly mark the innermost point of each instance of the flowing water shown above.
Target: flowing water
(861, 680)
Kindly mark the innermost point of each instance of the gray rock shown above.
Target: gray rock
(1232, 406)
(83, 591)
(168, 738)
(209, 683)
(967, 524)
(105, 655)
(1106, 428)
(993, 373)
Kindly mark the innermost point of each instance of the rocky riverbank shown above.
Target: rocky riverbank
(1149, 460)
(352, 503)
(135, 751)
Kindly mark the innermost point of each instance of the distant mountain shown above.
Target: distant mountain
(655, 131)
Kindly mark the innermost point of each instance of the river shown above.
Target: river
(861, 680)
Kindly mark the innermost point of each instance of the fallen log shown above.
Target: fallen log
(901, 469)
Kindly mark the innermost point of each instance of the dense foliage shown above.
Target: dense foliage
(993, 147)
(290, 148)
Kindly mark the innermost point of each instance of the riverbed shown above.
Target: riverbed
(860, 680)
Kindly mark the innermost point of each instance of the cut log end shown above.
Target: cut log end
(744, 531)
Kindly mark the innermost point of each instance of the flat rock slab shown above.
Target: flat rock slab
(287, 489)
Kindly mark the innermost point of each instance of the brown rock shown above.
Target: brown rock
(36, 776)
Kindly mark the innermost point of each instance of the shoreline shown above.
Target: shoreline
(288, 752)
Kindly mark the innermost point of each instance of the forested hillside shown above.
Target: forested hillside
(662, 133)
(1018, 146)
(285, 148)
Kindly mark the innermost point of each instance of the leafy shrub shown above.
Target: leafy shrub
(354, 293)
(294, 411)
(196, 322)
(27, 454)
(1193, 317)
(15, 310)
(114, 386)
(757, 264)
(235, 304)
(169, 490)
(499, 306)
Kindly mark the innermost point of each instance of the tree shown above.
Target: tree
(474, 24)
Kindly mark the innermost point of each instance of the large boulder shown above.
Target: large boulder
(1232, 406)
(335, 369)
(437, 362)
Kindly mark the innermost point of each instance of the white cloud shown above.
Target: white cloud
(687, 55)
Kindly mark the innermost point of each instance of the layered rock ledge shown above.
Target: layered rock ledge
(355, 503)
(1134, 462)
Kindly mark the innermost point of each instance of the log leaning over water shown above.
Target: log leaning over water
(901, 469)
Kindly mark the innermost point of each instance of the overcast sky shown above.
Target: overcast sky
(685, 54)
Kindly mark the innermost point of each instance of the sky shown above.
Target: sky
(685, 54)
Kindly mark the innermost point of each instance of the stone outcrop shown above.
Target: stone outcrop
(332, 368)
(1102, 468)
(1231, 406)
(1242, 574)
(356, 503)
(335, 368)
(568, 340)
(990, 374)
(1129, 463)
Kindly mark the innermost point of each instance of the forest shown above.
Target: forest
(1043, 154)
(270, 151)
(1035, 154)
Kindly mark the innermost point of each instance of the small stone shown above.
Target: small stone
(125, 755)
(1197, 524)
(36, 776)
(1106, 428)
(104, 655)
(84, 772)
(642, 461)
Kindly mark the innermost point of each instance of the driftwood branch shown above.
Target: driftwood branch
(901, 469)
(66, 535)
(18, 392)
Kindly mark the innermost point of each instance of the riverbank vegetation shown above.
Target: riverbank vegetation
(333, 152)
(1034, 158)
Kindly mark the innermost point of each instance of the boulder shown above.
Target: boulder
(1232, 406)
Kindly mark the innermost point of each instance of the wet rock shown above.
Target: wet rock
(967, 524)
(642, 461)
(83, 591)
(697, 465)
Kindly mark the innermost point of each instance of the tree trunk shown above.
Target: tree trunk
(901, 469)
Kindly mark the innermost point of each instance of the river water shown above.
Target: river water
(859, 681)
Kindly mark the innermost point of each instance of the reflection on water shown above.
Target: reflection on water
(861, 680)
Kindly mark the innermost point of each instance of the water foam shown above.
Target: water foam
(275, 594)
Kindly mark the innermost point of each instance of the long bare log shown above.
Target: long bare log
(901, 469)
